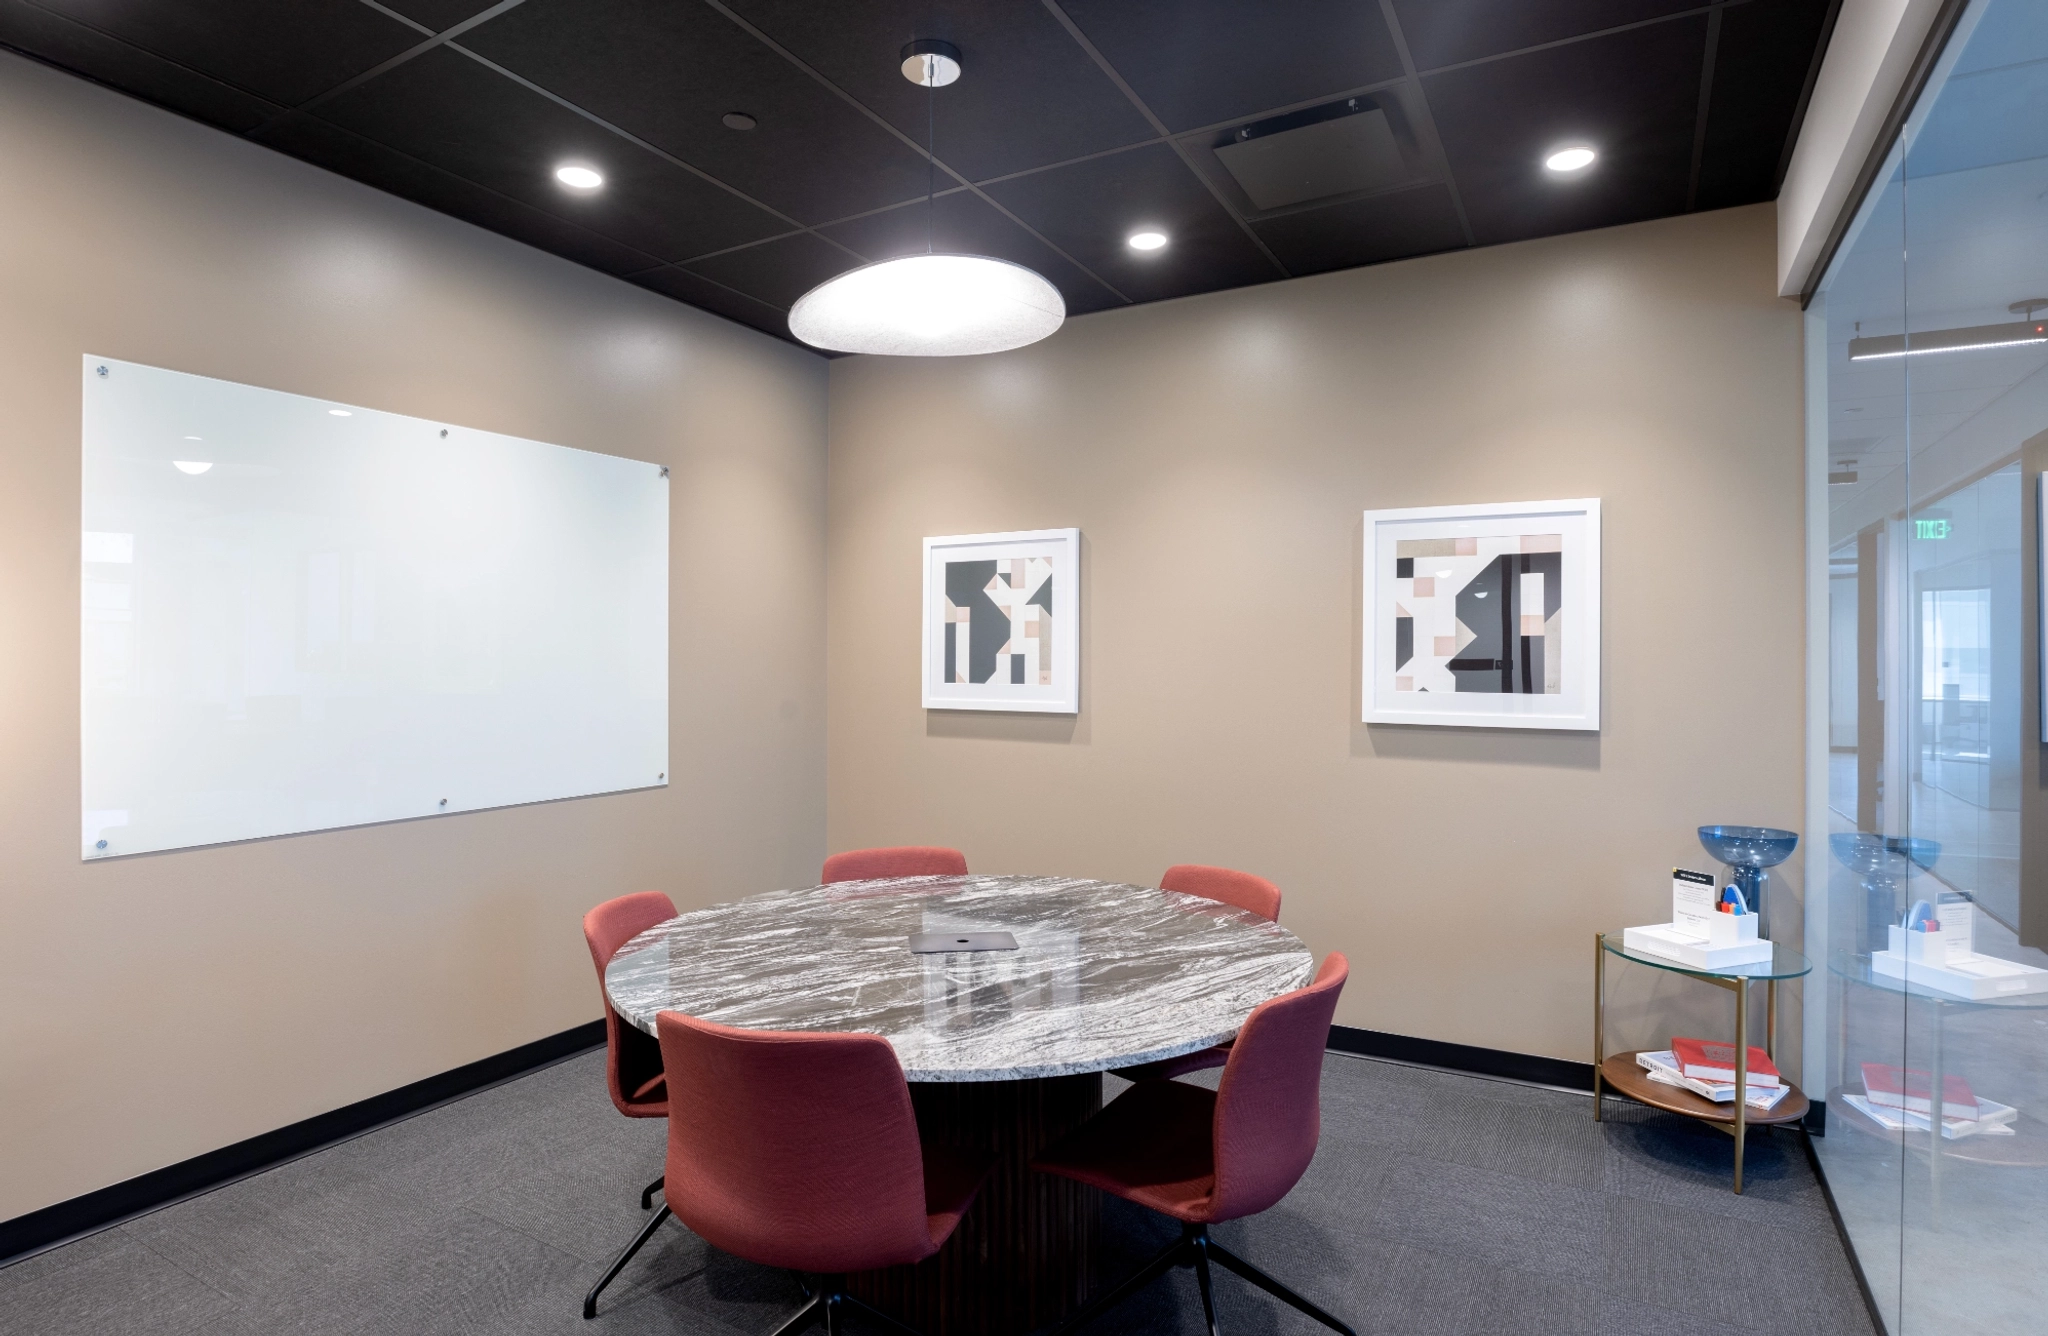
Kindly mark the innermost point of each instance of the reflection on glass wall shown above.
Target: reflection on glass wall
(1935, 380)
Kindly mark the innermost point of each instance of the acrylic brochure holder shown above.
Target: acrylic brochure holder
(1700, 935)
(1937, 951)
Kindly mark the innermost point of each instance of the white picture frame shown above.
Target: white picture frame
(963, 641)
(1438, 669)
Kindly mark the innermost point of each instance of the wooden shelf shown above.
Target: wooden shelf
(1621, 1075)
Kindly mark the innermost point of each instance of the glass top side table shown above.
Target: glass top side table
(1624, 1077)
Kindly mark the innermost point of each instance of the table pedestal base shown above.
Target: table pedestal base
(1019, 1260)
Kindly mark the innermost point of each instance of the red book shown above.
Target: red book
(1898, 1088)
(1711, 1060)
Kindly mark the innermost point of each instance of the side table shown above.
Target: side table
(1621, 1073)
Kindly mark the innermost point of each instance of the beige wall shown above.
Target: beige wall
(1216, 453)
(157, 1007)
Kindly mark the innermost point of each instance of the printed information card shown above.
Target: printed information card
(1692, 902)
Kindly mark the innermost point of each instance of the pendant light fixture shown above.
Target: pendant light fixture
(929, 305)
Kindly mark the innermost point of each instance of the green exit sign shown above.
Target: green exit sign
(1931, 528)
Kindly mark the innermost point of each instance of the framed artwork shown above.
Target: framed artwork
(1484, 616)
(1002, 621)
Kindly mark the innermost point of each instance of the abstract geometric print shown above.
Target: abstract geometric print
(1479, 614)
(998, 620)
(1002, 621)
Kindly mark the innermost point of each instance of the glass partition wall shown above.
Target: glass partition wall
(1928, 404)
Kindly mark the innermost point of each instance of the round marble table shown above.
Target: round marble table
(1005, 1049)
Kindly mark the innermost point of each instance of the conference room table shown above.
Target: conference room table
(1004, 1049)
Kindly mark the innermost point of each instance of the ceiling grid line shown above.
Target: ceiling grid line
(433, 40)
(631, 138)
(889, 127)
(1576, 39)
(1159, 128)
(1699, 132)
(1433, 143)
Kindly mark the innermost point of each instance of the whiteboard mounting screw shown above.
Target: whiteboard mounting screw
(662, 775)
(444, 802)
(102, 844)
(444, 433)
(664, 470)
(103, 373)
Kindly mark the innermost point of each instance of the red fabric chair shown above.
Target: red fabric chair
(801, 1150)
(906, 860)
(1242, 889)
(632, 1060)
(1232, 887)
(1204, 1156)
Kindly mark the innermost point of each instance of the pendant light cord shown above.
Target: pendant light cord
(931, 154)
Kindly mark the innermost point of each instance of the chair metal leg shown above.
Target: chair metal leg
(1174, 1254)
(832, 1325)
(619, 1263)
(1200, 1247)
(1272, 1286)
(647, 1193)
(803, 1317)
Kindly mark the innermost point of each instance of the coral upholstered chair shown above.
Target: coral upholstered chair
(907, 860)
(1205, 1156)
(801, 1150)
(1241, 889)
(632, 1060)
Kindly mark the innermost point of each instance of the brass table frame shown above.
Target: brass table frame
(1739, 987)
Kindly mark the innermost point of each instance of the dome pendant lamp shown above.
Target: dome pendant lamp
(929, 305)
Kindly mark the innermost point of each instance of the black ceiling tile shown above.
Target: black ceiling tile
(1760, 67)
(963, 224)
(1365, 231)
(1632, 96)
(1088, 209)
(286, 52)
(670, 71)
(1444, 32)
(440, 15)
(1202, 62)
(1028, 94)
(777, 272)
(90, 52)
(705, 295)
(448, 110)
(352, 156)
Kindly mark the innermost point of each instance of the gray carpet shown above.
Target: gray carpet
(1438, 1203)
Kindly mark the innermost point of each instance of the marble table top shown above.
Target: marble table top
(1104, 975)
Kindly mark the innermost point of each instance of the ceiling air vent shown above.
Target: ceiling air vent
(1339, 148)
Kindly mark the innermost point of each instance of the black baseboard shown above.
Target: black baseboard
(202, 1173)
(1463, 1058)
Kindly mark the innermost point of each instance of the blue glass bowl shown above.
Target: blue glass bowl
(1748, 846)
(1865, 854)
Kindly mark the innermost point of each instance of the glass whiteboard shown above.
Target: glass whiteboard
(297, 614)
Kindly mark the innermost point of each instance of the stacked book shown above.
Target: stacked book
(1707, 1069)
(1898, 1099)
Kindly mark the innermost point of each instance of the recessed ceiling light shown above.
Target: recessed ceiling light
(192, 466)
(1573, 159)
(191, 438)
(1147, 241)
(738, 120)
(339, 412)
(578, 177)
